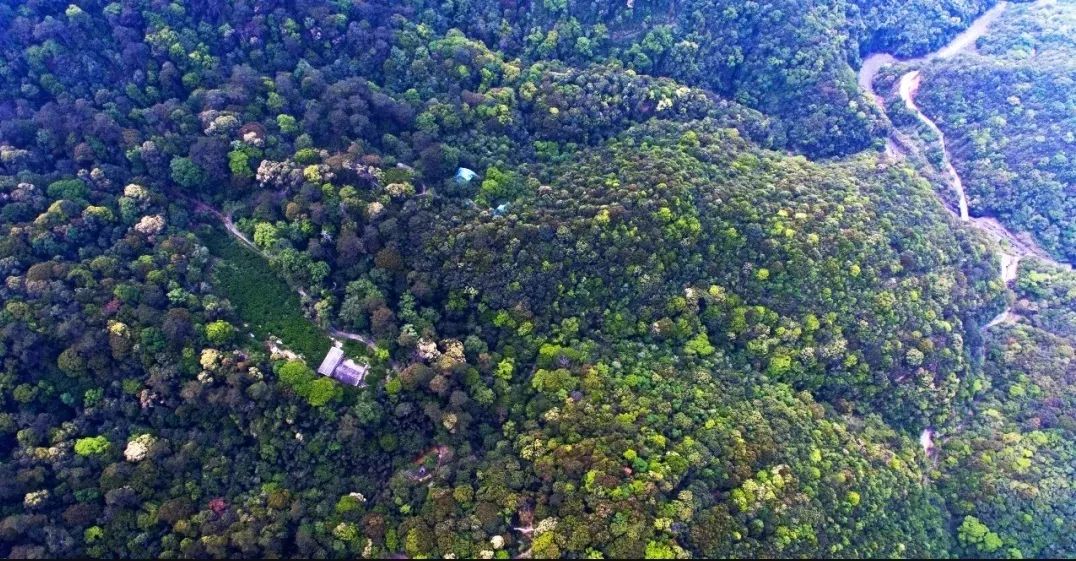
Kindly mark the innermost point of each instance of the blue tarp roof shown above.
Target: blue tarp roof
(465, 175)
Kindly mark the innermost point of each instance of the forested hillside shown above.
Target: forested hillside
(1010, 114)
(631, 279)
(1008, 467)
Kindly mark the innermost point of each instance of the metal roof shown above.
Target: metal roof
(350, 373)
(332, 358)
(340, 368)
(465, 175)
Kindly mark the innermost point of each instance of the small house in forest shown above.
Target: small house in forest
(337, 366)
(464, 176)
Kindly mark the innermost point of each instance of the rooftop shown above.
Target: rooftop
(350, 373)
(340, 368)
(464, 175)
(332, 358)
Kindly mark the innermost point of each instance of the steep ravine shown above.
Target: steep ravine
(1011, 248)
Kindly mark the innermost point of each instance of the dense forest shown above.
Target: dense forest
(633, 279)
(1010, 114)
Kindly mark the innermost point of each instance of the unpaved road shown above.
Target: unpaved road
(1012, 248)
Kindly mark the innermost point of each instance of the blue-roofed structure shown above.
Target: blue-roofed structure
(464, 175)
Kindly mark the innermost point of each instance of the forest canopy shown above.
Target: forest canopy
(484, 279)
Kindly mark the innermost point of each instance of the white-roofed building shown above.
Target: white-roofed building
(335, 365)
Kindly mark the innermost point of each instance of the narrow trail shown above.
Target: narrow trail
(1015, 246)
(226, 220)
(1011, 248)
(909, 86)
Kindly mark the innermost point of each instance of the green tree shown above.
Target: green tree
(287, 124)
(239, 164)
(187, 174)
(72, 189)
(699, 345)
(265, 235)
(219, 332)
(974, 533)
(297, 375)
(321, 391)
(92, 446)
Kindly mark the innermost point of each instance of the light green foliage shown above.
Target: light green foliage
(346, 531)
(553, 381)
(657, 550)
(699, 345)
(322, 391)
(92, 446)
(296, 374)
(499, 187)
(287, 124)
(545, 547)
(317, 390)
(307, 156)
(505, 369)
(93, 534)
(265, 235)
(974, 533)
(347, 503)
(239, 163)
(219, 332)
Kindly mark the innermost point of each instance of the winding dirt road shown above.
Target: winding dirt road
(909, 86)
(1012, 248)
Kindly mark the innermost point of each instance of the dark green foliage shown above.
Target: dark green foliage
(73, 189)
(786, 58)
(669, 208)
(910, 28)
(187, 173)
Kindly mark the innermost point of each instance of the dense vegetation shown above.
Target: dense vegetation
(262, 298)
(683, 309)
(1009, 465)
(1009, 114)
